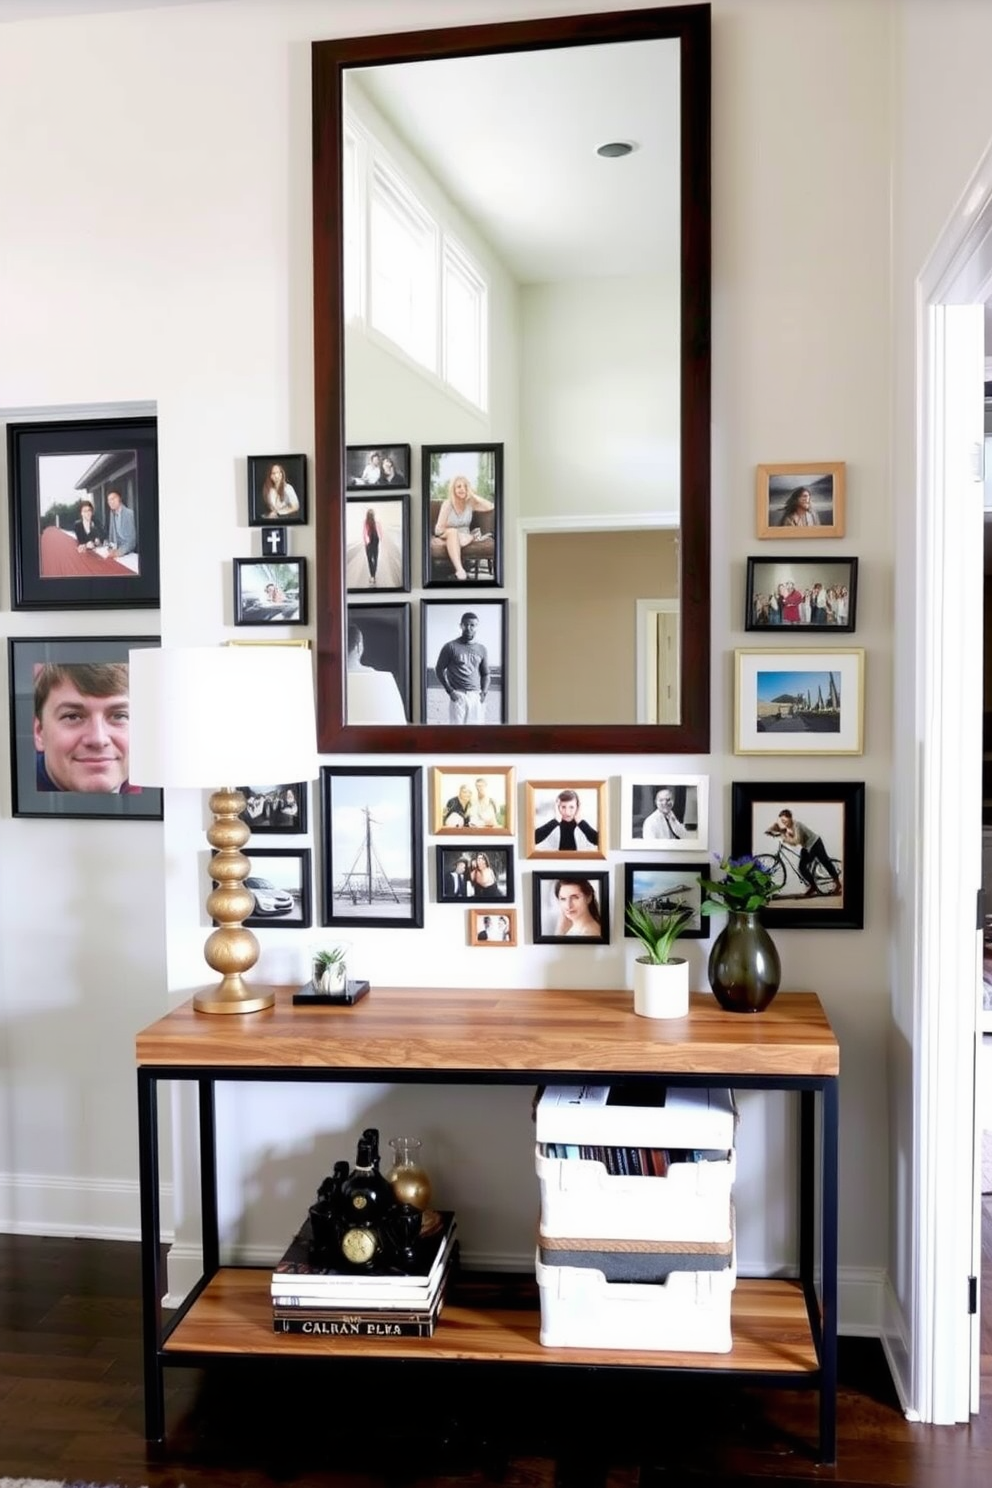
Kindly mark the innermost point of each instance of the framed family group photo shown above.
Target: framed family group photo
(810, 837)
(661, 888)
(474, 872)
(277, 490)
(70, 728)
(379, 467)
(571, 908)
(799, 702)
(800, 500)
(670, 813)
(84, 514)
(816, 594)
(377, 544)
(373, 845)
(275, 808)
(565, 818)
(463, 660)
(279, 882)
(477, 798)
(462, 514)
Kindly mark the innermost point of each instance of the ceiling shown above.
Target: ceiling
(36, 10)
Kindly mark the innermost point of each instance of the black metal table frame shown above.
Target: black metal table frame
(821, 1308)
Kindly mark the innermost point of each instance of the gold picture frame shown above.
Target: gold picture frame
(553, 817)
(471, 799)
(491, 927)
(805, 499)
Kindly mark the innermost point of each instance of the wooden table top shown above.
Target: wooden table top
(504, 1030)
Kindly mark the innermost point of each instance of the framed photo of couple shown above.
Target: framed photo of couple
(476, 798)
(488, 928)
(468, 874)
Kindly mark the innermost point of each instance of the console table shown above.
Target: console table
(784, 1331)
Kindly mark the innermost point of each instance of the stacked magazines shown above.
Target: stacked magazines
(319, 1299)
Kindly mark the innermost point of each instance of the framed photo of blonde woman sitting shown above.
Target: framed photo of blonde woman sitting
(462, 514)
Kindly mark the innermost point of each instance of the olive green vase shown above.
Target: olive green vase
(744, 967)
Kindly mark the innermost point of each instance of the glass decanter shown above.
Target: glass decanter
(410, 1183)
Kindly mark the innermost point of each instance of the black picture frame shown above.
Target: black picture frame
(767, 576)
(373, 845)
(358, 458)
(500, 858)
(264, 511)
(277, 864)
(545, 910)
(836, 811)
(253, 580)
(662, 887)
(276, 809)
(481, 466)
(384, 568)
(33, 791)
(54, 469)
(386, 647)
(440, 621)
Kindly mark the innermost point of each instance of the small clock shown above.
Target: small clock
(360, 1245)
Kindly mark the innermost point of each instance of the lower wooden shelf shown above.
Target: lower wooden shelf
(234, 1316)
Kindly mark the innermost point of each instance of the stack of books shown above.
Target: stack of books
(333, 1303)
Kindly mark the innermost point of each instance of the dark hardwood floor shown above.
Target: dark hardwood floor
(71, 1407)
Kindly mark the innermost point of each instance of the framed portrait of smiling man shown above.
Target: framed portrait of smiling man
(70, 722)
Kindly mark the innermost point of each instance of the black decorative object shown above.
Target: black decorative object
(745, 971)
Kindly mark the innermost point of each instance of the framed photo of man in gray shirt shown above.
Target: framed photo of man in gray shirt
(463, 660)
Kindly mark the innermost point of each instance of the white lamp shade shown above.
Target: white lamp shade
(212, 716)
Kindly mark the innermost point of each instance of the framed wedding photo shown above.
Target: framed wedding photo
(661, 888)
(379, 467)
(665, 813)
(492, 927)
(565, 819)
(810, 837)
(811, 594)
(60, 686)
(270, 593)
(571, 908)
(279, 882)
(800, 500)
(377, 544)
(372, 820)
(380, 665)
(799, 702)
(475, 798)
(463, 660)
(84, 514)
(275, 808)
(467, 874)
(462, 514)
(277, 490)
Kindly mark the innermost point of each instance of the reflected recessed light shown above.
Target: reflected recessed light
(615, 148)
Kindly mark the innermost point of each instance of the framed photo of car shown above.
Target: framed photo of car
(804, 594)
(275, 808)
(377, 544)
(270, 593)
(462, 516)
(277, 490)
(571, 908)
(377, 467)
(372, 820)
(660, 888)
(84, 514)
(279, 882)
(472, 872)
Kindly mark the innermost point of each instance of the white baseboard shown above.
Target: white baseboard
(91, 1208)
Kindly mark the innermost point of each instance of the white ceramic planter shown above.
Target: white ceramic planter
(661, 991)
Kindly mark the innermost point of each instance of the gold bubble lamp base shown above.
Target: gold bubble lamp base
(230, 950)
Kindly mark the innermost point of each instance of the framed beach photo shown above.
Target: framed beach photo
(279, 882)
(810, 836)
(277, 490)
(667, 813)
(275, 808)
(377, 544)
(571, 908)
(463, 660)
(462, 514)
(814, 594)
(69, 728)
(378, 467)
(565, 819)
(270, 593)
(473, 798)
(470, 873)
(799, 702)
(379, 665)
(660, 888)
(84, 514)
(492, 927)
(800, 500)
(372, 820)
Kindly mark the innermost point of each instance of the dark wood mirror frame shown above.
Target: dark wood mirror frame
(691, 735)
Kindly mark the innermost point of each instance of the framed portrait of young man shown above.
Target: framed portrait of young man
(463, 660)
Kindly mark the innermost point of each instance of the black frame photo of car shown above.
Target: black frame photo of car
(254, 577)
(287, 873)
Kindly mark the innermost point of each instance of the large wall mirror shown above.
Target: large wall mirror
(512, 319)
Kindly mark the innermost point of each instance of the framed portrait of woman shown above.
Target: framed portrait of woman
(571, 908)
(462, 514)
(277, 490)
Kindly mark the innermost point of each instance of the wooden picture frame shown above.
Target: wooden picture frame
(444, 621)
(823, 602)
(267, 593)
(285, 875)
(492, 928)
(471, 798)
(783, 512)
(799, 701)
(274, 500)
(571, 897)
(372, 829)
(664, 812)
(276, 809)
(569, 811)
(483, 861)
(662, 887)
(835, 813)
(364, 467)
(377, 544)
(84, 514)
(477, 471)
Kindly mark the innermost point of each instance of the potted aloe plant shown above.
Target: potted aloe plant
(329, 969)
(661, 980)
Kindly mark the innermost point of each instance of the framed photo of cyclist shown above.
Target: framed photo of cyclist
(799, 701)
(810, 837)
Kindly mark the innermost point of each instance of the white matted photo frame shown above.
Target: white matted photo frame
(804, 499)
(810, 836)
(661, 888)
(664, 812)
(488, 927)
(377, 544)
(473, 798)
(372, 820)
(799, 701)
(571, 907)
(565, 819)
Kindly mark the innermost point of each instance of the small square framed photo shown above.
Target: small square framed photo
(810, 837)
(275, 808)
(473, 798)
(279, 882)
(377, 544)
(372, 819)
(800, 500)
(463, 660)
(270, 593)
(473, 872)
(379, 650)
(571, 909)
(462, 514)
(565, 819)
(60, 687)
(379, 467)
(665, 814)
(492, 927)
(814, 594)
(84, 514)
(799, 702)
(660, 888)
(277, 490)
